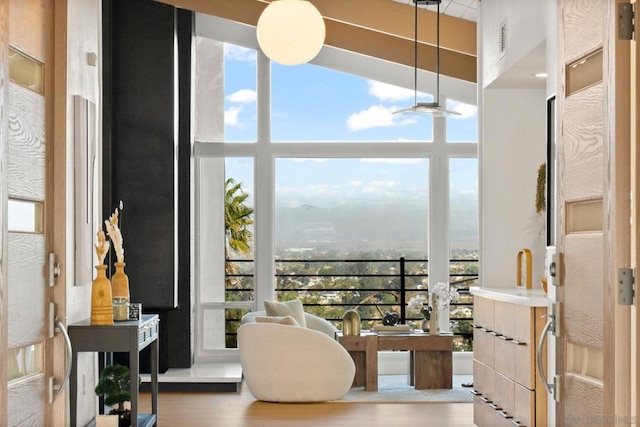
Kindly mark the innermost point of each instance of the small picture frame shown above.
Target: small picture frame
(135, 309)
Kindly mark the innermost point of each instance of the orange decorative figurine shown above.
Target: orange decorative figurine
(101, 301)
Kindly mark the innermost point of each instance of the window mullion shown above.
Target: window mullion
(264, 183)
(439, 211)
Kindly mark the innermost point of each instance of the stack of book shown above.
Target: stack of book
(385, 329)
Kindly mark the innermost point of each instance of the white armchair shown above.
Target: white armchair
(284, 363)
(313, 322)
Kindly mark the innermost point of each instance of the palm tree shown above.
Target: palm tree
(238, 217)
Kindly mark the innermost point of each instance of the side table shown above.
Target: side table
(126, 337)
(430, 357)
(364, 352)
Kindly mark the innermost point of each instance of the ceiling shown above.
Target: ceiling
(385, 29)
(521, 74)
(376, 28)
(463, 9)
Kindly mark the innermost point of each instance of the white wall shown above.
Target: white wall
(83, 36)
(514, 145)
(512, 136)
(526, 28)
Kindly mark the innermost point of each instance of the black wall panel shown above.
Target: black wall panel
(147, 160)
(143, 153)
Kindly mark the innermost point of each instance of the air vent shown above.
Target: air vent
(502, 39)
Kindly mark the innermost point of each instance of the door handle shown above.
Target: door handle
(69, 354)
(548, 327)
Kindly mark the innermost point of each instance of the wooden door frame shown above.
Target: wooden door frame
(56, 113)
(617, 318)
(4, 80)
(56, 131)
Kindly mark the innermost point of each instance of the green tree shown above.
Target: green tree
(115, 385)
(238, 217)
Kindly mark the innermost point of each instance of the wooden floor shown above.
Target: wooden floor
(242, 410)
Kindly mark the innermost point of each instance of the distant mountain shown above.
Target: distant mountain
(359, 225)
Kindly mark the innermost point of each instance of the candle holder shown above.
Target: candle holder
(120, 309)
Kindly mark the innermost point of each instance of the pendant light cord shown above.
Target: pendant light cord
(438, 56)
(415, 54)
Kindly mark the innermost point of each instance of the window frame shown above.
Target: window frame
(264, 153)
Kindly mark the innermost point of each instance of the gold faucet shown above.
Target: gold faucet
(529, 269)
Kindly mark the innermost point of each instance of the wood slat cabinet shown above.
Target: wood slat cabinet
(505, 376)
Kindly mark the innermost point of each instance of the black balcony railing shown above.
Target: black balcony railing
(330, 287)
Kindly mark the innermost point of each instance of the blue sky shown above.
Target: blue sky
(311, 103)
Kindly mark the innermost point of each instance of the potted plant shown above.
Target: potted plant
(115, 385)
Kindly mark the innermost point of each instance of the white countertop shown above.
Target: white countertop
(515, 295)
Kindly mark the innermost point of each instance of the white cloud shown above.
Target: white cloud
(355, 183)
(231, 116)
(387, 92)
(243, 96)
(237, 53)
(465, 110)
(377, 116)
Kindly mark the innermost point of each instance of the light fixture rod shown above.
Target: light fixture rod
(438, 55)
(415, 51)
(426, 107)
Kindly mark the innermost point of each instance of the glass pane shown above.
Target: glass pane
(26, 71)
(239, 229)
(463, 246)
(462, 128)
(463, 208)
(341, 107)
(342, 226)
(25, 361)
(226, 229)
(240, 116)
(25, 216)
(232, 321)
(213, 329)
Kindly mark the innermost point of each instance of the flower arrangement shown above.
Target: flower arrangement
(115, 235)
(420, 303)
(442, 293)
(102, 247)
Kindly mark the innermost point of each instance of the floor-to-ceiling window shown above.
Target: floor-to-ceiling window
(343, 193)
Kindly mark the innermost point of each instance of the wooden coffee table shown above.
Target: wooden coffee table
(430, 357)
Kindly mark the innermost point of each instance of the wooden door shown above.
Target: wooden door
(593, 352)
(34, 360)
(582, 152)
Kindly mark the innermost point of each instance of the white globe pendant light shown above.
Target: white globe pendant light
(291, 32)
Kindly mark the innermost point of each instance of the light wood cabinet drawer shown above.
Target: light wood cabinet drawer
(505, 365)
(483, 346)
(525, 404)
(484, 415)
(504, 401)
(522, 323)
(479, 377)
(481, 412)
(505, 362)
(483, 312)
(525, 369)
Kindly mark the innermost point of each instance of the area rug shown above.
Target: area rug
(394, 389)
